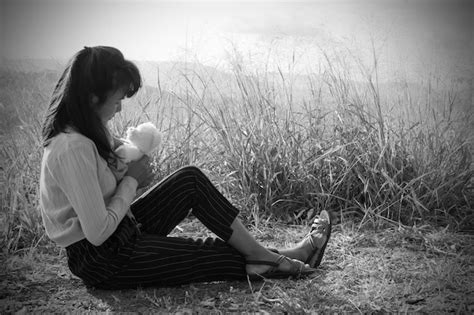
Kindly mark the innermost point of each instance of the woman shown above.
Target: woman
(85, 203)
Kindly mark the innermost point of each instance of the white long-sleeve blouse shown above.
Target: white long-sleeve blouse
(79, 195)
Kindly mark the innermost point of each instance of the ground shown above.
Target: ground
(422, 270)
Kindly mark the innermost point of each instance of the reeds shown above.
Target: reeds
(360, 150)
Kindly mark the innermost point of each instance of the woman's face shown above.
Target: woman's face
(111, 106)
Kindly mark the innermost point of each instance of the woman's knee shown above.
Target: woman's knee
(190, 170)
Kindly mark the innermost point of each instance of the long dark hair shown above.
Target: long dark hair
(92, 73)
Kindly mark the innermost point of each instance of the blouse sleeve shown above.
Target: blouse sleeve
(76, 174)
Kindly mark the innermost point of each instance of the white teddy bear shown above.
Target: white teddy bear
(140, 140)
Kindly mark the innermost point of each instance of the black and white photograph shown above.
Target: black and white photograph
(236, 156)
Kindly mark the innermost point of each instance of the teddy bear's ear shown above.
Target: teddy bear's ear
(130, 132)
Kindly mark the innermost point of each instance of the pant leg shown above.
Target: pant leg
(167, 203)
(158, 260)
(169, 261)
(94, 264)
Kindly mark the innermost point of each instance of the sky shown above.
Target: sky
(408, 34)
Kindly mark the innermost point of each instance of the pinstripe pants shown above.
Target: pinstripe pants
(130, 258)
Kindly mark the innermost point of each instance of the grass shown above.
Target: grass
(422, 270)
(392, 161)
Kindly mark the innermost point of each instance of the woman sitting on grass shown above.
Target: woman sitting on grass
(85, 208)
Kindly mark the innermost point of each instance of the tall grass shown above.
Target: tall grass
(23, 99)
(292, 156)
(367, 153)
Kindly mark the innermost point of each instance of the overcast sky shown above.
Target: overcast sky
(407, 32)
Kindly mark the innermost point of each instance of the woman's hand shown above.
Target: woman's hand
(117, 142)
(141, 170)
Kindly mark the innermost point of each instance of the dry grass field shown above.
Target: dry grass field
(421, 270)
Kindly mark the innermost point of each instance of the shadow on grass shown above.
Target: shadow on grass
(287, 295)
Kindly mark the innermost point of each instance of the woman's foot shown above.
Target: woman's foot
(320, 231)
(281, 267)
(258, 268)
(312, 247)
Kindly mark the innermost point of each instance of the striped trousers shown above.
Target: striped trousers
(130, 258)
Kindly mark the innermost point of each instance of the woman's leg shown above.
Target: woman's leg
(167, 203)
(252, 250)
(246, 244)
(170, 261)
(156, 259)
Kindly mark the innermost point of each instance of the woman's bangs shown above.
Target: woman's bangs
(129, 79)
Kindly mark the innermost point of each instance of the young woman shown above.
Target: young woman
(113, 241)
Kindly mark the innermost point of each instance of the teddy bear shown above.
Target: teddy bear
(140, 140)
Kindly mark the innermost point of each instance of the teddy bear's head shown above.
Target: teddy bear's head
(145, 137)
(140, 140)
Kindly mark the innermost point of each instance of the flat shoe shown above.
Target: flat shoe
(297, 269)
(314, 259)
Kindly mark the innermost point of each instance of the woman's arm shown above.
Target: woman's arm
(77, 174)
